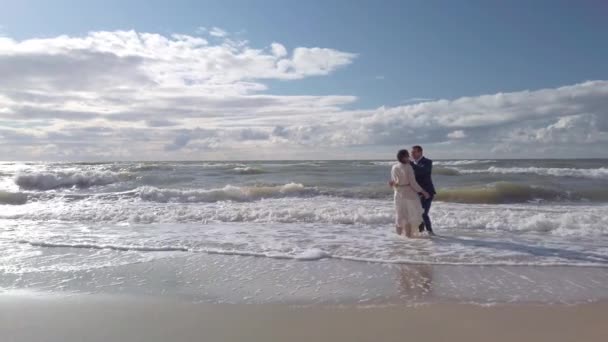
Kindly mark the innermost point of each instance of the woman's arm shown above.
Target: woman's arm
(394, 177)
(412, 179)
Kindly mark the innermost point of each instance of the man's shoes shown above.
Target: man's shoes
(430, 232)
(421, 227)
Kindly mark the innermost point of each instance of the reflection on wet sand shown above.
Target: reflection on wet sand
(415, 281)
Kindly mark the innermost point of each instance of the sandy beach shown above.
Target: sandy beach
(32, 318)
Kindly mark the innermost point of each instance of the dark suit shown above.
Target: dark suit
(423, 170)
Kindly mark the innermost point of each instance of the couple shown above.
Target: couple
(414, 191)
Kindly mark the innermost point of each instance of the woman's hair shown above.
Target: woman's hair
(401, 155)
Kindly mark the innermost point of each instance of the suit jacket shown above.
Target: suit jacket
(423, 172)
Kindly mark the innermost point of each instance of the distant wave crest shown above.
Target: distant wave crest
(462, 162)
(557, 172)
(227, 193)
(506, 192)
(248, 170)
(64, 179)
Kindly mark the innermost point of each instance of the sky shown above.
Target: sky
(214, 80)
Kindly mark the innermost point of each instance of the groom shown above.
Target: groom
(423, 168)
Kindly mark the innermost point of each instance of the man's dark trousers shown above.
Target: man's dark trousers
(426, 205)
(423, 170)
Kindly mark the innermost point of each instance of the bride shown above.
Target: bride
(408, 210)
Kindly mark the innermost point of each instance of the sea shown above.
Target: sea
(79, 216)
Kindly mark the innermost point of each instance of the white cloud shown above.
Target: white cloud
(218, 32)
(458, 134)
(130, 95)
(314, 61)
(143, 87)
(488, 118)
(167, 61)
(179, 141)
(583, 129)
(540, 121)
(416, 99)
(278, 50)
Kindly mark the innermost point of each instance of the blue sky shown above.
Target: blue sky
(401, 53)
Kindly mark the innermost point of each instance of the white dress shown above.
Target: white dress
(408, 209)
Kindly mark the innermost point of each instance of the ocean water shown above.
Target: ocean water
(84, 216)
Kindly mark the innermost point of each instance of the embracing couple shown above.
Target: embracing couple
(414, 191)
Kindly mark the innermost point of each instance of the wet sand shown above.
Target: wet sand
(104, 318)
(221, 279)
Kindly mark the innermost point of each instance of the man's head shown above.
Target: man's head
(416, 152)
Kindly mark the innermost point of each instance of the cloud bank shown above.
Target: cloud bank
(131, 95)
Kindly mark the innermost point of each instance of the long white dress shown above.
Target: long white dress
(408, 209)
